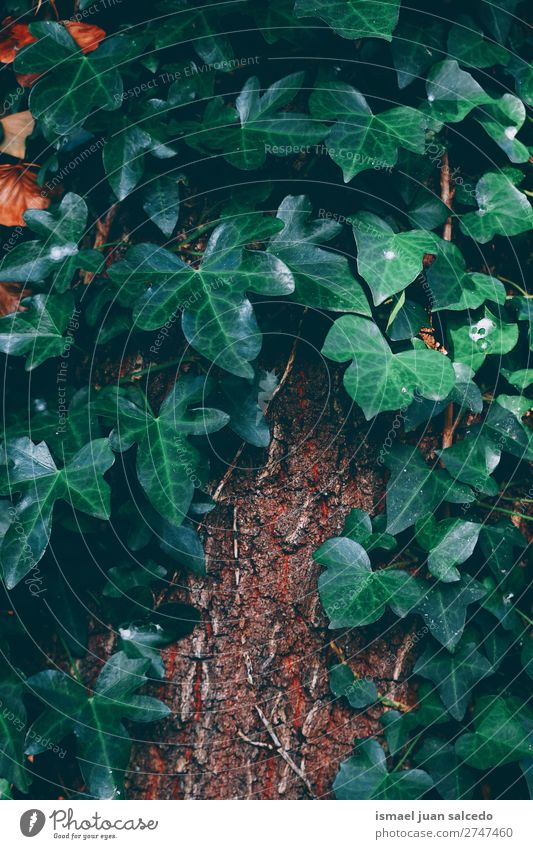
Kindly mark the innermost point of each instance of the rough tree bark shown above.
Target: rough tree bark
(254, 715)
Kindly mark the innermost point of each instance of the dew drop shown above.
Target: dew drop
(389, 254)
(510, 132)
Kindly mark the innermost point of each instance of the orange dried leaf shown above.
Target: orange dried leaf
(86, 36)
(11, 295)
(13, 36)
(16, 129)
(18, 192)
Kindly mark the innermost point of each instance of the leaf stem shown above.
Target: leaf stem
(507, 512)
(516, 285)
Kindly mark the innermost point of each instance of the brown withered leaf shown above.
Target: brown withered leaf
(16, 128)
(13, 36)
(11, 295)
(86, 36)
(18, 192)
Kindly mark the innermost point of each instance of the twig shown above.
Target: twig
(103, 228)
(447, 192)
(283, 752)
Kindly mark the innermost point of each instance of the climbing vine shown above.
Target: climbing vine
(171, 179)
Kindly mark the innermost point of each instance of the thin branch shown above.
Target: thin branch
(283, 752)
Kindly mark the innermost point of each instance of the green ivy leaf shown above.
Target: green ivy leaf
(38, 331)
(360, 140)
(473, 460)
(415, 48)
(60, 230)
(30, 470)
(123, 158)
(474, 341)
(443, 609)
(168, 465)
(379, 380)
(359, 527)
(502, 120)
(449, 543)
(454, 675)
(453, 93)
(503, 210)
(323, 279)
(162, 201)
(468, 45)
(217, 317)
(103, 743)
(261, 128)
(389, 261)
(12, 729)
(453, 780)
(77, 84)
(353, 18)
(352, 594)
(415, 488)
(359, 692)
(500, 736)
(365, 776)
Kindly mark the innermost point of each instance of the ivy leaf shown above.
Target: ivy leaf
(162, 627)
(415, 488)
(360, 140)
(508, 431)
(399, 728)
(454, 675)
(449, 543)
(466, 393)
(500, 736)
(103, 743)
(379, 380)
(217, 317)
(473, 460)
(389, 261)
(453, 93)
(468, 45)
(365, 776)
(12, 729)
(30, 470)
(353, 18)
(453, 288)
(453, 780)
(502, 120)
(246, 404)
(352, 594)
(77, 84)
(161, 202)
(415, 49)
(168, 465)
(39, 331)
(123, 158)
(182, 19)
(323, 279)
(358, 526)
(359, 692)
(474, 341)
(497, 543)
(520, 379)
(261, 128)
(443, 609)
(60, 231)
(503, 210)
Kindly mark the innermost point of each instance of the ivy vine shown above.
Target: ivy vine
(162, 188)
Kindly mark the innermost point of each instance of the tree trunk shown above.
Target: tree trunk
(254, 715)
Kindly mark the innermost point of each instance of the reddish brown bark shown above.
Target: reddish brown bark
(263, 646)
